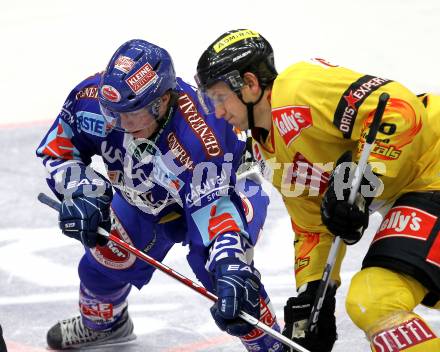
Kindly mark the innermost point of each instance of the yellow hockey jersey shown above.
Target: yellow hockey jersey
(320, 110)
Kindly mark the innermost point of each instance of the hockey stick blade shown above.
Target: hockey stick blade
(45, 199)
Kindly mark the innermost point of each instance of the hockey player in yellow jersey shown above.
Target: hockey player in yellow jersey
(302, 120)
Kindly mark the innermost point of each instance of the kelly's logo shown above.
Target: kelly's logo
(404, 221)
(291, 120)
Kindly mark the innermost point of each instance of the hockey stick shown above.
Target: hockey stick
(334, 249)
(43, 198)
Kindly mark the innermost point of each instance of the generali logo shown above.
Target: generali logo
(404, 221)
(291, 120)
(179, 151)
(88, 93)
(142, 79)
(197, 123)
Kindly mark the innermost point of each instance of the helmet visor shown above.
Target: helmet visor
(232, 79)
(216, 91)
(132, 121)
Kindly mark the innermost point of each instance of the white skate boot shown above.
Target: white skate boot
(71, 333)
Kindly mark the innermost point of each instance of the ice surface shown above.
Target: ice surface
(40, 284)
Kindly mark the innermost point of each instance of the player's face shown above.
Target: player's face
(143, 123)
(140, 123)
(228, 105)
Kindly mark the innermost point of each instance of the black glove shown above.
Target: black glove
(296, 315)
(237, 288)
(348, 221)
(86, 209)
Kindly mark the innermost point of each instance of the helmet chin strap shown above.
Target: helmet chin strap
(250, 109)
(163, 121)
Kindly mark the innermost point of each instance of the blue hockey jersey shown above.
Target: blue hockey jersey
(185, 170)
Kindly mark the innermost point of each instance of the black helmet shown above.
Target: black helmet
(234, 53)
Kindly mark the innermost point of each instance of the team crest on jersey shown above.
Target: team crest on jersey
(291, 120)
(389, 147)
(147, 182)
(111, 255)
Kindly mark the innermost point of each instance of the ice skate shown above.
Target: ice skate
(71, 333)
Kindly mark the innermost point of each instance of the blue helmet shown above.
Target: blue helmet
(138, 74)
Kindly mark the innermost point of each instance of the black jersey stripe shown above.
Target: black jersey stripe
(352, 99)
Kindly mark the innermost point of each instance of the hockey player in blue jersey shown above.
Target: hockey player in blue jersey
(170, 178)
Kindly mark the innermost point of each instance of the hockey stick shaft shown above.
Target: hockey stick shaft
(334, 249)
(43, 198)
